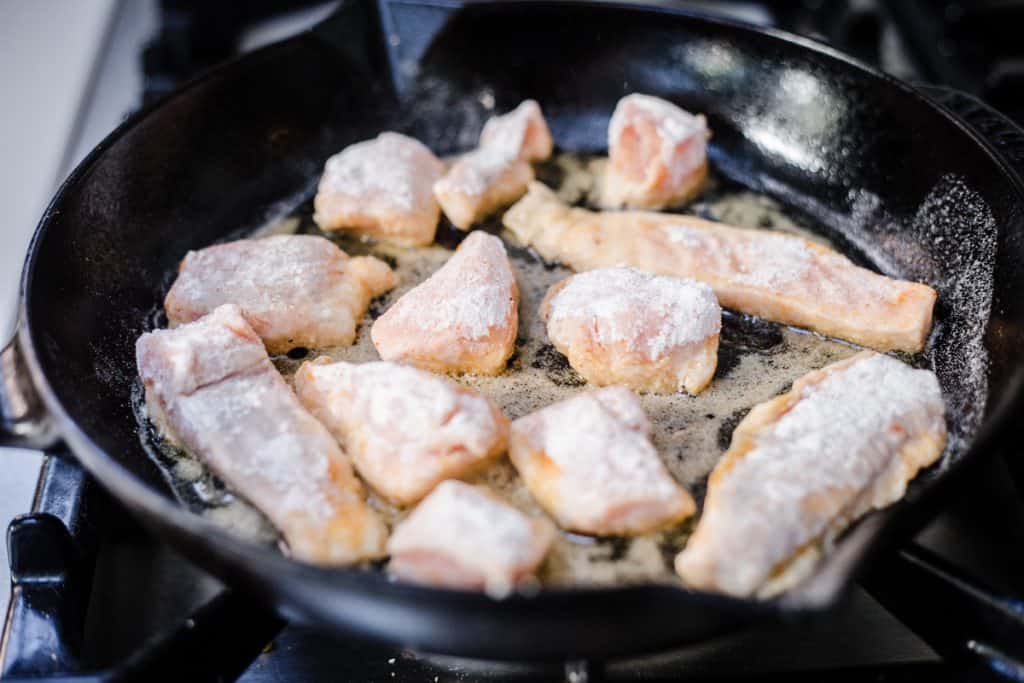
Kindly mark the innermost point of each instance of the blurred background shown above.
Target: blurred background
(72, 70)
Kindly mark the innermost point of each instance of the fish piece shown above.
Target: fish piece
(463, 318)
(523, 129)
(295, 290)
(497, 172)
(657, 154)
(766, 273)
(480, 183)
(382, 188)
(590, 463)
(405, 429)
(801, 467)
(211, 388)
(622, 326)
(461, 536)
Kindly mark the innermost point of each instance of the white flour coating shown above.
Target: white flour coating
(504, 140)
(675, 126)
(221, 395)
(964, 235)
(785, 262)
(472, 292)
(475, 172)
(295, 290)
(270, 271)
(600, 444)
(278, 453)
(506, 134)
(854, 407)
(387, 168)
(842, 434)
(773, 261)
(510, 132)
(199, 354)
(685, 235)
(477, 532)
(409, 411)
(652, 314)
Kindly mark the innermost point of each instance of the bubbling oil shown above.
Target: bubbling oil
(757, 360)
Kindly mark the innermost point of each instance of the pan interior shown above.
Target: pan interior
(758, 360)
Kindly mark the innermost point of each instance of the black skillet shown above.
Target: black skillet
(247, 140)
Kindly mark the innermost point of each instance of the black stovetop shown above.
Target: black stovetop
(127, 606)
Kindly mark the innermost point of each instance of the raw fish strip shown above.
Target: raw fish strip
(801, 467)
(773, 275)
(211, 388)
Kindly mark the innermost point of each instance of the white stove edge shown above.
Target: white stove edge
(72, 71)
(54, 55)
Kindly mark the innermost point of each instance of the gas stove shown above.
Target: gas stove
(96, 597)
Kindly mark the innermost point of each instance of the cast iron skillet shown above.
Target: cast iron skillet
(247, 141)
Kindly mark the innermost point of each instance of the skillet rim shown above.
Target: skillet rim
(179, 522)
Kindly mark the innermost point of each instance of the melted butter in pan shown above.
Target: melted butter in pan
(757, 361)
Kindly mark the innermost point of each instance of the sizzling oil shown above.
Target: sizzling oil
(757, 360)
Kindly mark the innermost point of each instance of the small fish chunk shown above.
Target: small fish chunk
(405, 429)
(651, 333)
(461, 536)
(657, 154)
(590, 463)
(211, 389)
(480, 183)
(770, 274)
(295, 290)
(522, 129)
(463, 318)
(844, 441)
(498, 171)
(382, 188)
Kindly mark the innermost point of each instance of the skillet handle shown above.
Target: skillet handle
(966, 622)
(24, 421)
